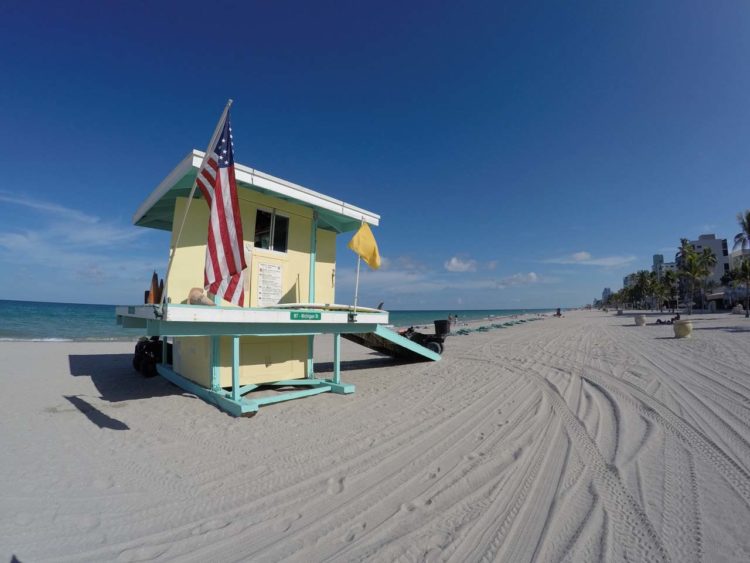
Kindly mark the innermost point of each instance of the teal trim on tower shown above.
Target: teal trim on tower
(311, 291)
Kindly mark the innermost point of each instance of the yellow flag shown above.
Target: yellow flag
(363, 243)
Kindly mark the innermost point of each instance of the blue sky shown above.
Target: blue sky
(520, 154)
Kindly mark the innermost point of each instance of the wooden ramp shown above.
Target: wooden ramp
(386, 341)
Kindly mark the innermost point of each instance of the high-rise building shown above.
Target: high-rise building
(658, 260)
(606, 294)
(658, 265)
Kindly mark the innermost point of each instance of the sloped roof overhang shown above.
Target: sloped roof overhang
(157, 211)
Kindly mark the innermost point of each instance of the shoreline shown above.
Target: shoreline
(31, 321)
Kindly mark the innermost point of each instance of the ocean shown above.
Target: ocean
(41, 321)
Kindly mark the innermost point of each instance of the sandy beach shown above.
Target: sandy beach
(583, 438)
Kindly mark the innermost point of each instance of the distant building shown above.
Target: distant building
(629, 280)
(720, 250)
(606, 294)
(658, 265)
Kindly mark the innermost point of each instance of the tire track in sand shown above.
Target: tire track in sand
(694, 438)
(655, 410)
(634, 533)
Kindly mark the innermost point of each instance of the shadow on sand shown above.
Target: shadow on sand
(95, 415)
(116, 380)
(725, 328)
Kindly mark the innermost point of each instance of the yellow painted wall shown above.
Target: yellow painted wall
(325, 267)
(191, 356)
(262, 358)
(265, 358)
(190, 255)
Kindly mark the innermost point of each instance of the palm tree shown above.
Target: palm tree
(684, 250)
(691, 270)
(658, 291)
(669, 282)
(694, 267)
(641, 286)
(742, 238)
(707, 261)
(743, 275)
(622, 297)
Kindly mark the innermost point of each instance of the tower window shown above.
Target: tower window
(271, 231)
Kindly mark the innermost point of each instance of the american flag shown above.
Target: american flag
(225, 257)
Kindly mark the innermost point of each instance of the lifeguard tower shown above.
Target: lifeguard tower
(223, 353)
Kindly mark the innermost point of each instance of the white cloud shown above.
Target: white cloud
(407, 263)
(518, 279)
(49, 208)
(401, 288)
(412, 282)
(581, 256)
(71, 226)
(585, 259)
(70, 246)
(456, 264)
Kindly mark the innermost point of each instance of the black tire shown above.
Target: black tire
(137, 363)
(149, 368)
(434, 346)
(442, 347)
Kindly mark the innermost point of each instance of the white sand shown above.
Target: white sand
(574, 439)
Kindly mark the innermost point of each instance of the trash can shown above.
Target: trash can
(442, 327)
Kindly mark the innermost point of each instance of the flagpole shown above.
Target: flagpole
(173, 248)
(356, 284)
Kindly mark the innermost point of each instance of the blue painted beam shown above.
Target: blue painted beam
(404, 342)
(310, 360)
(341, 388)
(188, 328)
(236, 368)
(235, 408)
(215, 364)
(313, 257)
(131, 322)
(238, 407)
(247, 388)
(337, 358)
(291, 395)
(298, 382)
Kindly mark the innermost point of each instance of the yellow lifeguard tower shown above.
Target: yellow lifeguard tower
(222, 353)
